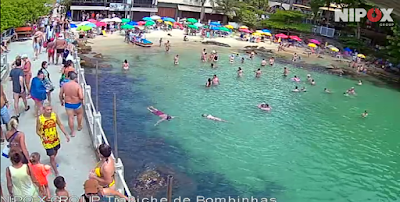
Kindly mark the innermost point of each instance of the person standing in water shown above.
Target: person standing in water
(160, 42)
(285, 72)
(215, 80)
(213, 118)
(359, 82)
(125, 65)
(209, 82)
(242, 60)
(240, 72)
(327, 90)
(71, 96)
(231, 59)
(271, 61)
(296, 89)
(295, 57)
(176, 60)
(263, 63)
(258, 73)
(365, 114)
(167, 46)
(163, 116)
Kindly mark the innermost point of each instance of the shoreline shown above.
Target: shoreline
(326, 64)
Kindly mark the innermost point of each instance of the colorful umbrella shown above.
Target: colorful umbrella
(141, 23)
(168, 19)
(101, 24)
(198, 24)
(91, 25)
(84, 23)
(283, 36)
(155, 17)
(73, 25)
(229, 26)
(147, 18)
(215, 28)
(125, 20)
(347, 49)
(243, 27)
(192, 26)
(215, 23)
(133, 23)
(315, 41)
(168, 23)
(266, 30)
(161, 20)
(116, 19)
(256, 34)
(84, 28)
(224, 29)
(296, 38)
(149, 23)
(361, 56)
(191, 20)
(266, 33)
(106, 20)
(92, 20)
(205, 27)
(312, 45)
(127, 26)
(245, 30)
(334, 49)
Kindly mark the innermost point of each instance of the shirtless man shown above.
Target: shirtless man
(272, 61)
(18, 86)
(40, 39)
(5, 116)
(285, 71)
(213, 118)
(258, 73)
(163, 116)
(263, 62)
(61, 45)
(215, 80)
(71, 96)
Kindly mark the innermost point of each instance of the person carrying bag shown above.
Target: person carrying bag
(6, 149)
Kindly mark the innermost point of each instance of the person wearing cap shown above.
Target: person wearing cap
(27, 67)
(94, 192)
(61, 45)
(71, 96)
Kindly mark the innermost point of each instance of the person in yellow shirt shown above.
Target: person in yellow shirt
(46, 129)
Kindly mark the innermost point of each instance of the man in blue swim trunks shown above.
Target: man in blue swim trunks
(5, 116)
(71, 96)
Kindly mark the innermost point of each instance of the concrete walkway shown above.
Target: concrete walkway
(77, 157)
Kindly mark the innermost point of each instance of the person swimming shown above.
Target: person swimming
(296, 89)
(240, 72)
(359, 82)
(209, 82)
(216, 57)
(176, 60)
(312, 82)
(163, 116)
(295, 79)
(303, 89)
(271, 61)
(215, 80)
(365, 114)
(327, 90)
(264, 106)
(309, 79)
(213, 65)
(213, 118)
(258, 73)
(231, 59)
(242, 59)
(351, 91)
(285, 71)
(263, 63)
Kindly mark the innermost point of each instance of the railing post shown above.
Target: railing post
(88, 91)
(97, 138)
(119, 168)
(81, 73)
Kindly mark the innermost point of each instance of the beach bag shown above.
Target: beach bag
(6, 149)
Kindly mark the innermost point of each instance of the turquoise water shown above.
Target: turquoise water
(312, 146)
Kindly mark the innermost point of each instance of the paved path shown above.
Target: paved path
(77, 157)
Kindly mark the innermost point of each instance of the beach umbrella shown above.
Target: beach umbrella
(91, 25)
(92, 20)
(168, 19)
(266, 30)
(198, 24)
(141, 23)
(205, 27)
(348, 50)
(168, 23)
(155, 17)
(296, 38)
(224, 29)
(101, 24)
(361, 56)
(149, 23)
(193, 27)
(191, 20)
(229, 26)
(106, 20)
(125, 20)
(283, 36)
(84, 28)
(215, 23)
(83, 23)
(160, 20)
(266, 33)
(315, 41)
(215, 28)
(334, 49)
(126, 26)
(133, 23)
(312, 45)
(243, 27)
(147, 18)
(73, 25)
(256, 34)
(116, 19)
(245, 30)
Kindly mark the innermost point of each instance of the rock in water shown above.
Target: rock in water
(99, 55)
(215, 43)
(148, 183)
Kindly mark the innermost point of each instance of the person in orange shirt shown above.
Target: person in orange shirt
(40, 172)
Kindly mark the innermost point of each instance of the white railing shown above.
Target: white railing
(4, 65)
(93, 118)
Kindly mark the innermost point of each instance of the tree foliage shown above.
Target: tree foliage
(394, 44)
(15, 13)
(290, 20)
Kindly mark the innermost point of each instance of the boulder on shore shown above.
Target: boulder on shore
(215, 43)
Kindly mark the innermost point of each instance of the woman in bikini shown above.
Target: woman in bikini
(163, 116)
(105, 169)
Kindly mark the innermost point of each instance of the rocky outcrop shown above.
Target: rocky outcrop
(90, 62)
(150, 182)
(215, 43)
(99, 55)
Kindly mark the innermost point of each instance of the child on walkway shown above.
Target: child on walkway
(60, 185)
(40, 172)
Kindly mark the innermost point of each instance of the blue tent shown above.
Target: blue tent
(215, 23)
(133, 23)
(147, 18)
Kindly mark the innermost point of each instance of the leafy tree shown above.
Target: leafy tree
(290, 20)
(394, 44)
(315, 5)
(227, 7)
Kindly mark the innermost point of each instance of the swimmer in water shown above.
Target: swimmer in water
(365, 114)
(309, 79)
(211, 117)
(231, 59)
(264, 106)
(263, 63)
(215, 80)
(351, 91)
(252, 54)
(285, 71)
(303, 89)
(271, 61)
(240, 72)
(213, 65)
(296, 89)
(176, 60)
(359, 82)
(204, 58)
(258, 73)
(295, 57)
(242, 59)
(216, 57)
(209, 82)
(295, 79)
(327, 90)
(163, 116)
(313, 82)
(125, 65)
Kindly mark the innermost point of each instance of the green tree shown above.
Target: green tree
(394, 44)
(290, 20)
(227, 7)
(315, 5)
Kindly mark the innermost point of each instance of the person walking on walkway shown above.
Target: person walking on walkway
(38, 92)
(27, 73)
(50, 49)
(105, 168)
(61, 45)
(46, 129)
(71, 96)
(16, 139)
(36, 48)
(20, 181)
(5, 116)
(18, 85)
(47, 82)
